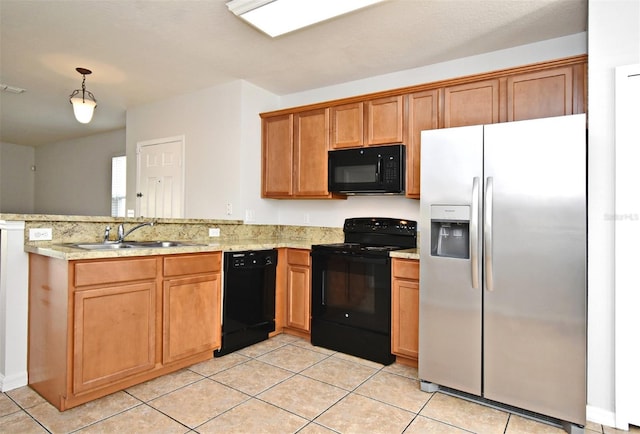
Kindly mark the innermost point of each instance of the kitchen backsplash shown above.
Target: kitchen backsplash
(73, 229)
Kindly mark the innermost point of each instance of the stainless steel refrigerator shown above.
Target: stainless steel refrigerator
(503, 264)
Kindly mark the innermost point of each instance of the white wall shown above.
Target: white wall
(254, 100)
(614, 40)
(17, 180)
(217, 127)
(74, 177)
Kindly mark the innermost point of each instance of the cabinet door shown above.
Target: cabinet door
(347, 126)
(311, 144)
(384, 120)
(540, 94)
(277, 156)
(422, 114)
(191, 316)
(113, 334)
(472, 104)
(405, 304)
(298, 290)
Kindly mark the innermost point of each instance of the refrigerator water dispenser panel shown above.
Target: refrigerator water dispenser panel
(450, 231)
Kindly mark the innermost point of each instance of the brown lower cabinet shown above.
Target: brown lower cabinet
(99, 326)
(298, 293)
(405, 305)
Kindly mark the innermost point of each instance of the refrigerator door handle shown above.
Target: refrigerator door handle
(473, 233)
(488, 234)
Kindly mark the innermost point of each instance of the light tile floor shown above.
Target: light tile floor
(283, 385)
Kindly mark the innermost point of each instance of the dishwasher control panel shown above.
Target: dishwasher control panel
(252, 259)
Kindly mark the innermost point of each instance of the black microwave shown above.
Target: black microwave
(373, 170)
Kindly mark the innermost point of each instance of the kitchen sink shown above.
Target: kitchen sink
(130, 245)
(154, 244)
(100, 246)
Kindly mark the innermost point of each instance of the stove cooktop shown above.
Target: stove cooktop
(374, 236)
(356, 248)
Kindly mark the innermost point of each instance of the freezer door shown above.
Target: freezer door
(450, 307)
(535, 303)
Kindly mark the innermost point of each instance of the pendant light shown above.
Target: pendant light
(83, 101)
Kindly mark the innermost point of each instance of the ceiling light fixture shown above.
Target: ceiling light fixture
(83, 101)
(277, 17)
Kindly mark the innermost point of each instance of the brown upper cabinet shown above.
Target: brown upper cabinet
(294, 155)
(474, 103)
(541, 94)
(310, 147)
(384, 120)
(277, 156)
(347, 125)
(422, 114)
(295, 145)
(372, 122)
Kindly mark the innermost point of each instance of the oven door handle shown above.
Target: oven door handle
(353, 257)
(370, 259)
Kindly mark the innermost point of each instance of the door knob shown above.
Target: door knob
(139, 194)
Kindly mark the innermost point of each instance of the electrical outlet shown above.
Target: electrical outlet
(229, 208)
(40, 234)
(214, 232)
(306, 218)
(249, 215)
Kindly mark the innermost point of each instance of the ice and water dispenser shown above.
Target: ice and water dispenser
(450, 231)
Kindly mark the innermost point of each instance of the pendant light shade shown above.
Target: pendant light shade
(82, 100)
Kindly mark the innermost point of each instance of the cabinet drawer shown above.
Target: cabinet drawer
(192, 264)
(122, 270)
(406, 269)
(298, 257)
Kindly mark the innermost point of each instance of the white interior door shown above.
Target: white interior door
(160, 191)
(627, 237)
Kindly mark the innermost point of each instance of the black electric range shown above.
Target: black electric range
(351, 287)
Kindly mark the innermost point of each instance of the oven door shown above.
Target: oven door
(351, 290)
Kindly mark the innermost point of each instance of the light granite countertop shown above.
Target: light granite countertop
(68, 253)
(232, 236)
(406, 254)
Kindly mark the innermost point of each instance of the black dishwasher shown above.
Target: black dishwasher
(248, 298)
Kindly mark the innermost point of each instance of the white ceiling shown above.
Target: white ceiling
(143, 51)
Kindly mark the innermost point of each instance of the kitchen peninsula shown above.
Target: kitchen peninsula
(103, 320)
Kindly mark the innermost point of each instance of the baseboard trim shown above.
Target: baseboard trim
(13, 381)
(601, 416)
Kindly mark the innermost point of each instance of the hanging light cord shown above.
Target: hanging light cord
(84, 73)
(84, 77)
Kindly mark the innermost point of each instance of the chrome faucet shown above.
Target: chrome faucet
(122, 234)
